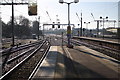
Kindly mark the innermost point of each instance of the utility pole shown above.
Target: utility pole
(97, 28)
(81, 24)
(118, 30)
(86, 27)
(38, 26)
(13, 41)
(80, 29)
(98, 23)
(0, 30)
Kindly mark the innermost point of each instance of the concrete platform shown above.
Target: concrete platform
(50, 65)
(78, 63)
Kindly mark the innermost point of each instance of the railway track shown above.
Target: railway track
(103, 49)
(18, 48)
(112, 52)
(29, 61)
(13, 56)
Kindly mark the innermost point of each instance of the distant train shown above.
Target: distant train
(34, 36)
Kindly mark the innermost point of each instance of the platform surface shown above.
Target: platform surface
(79, 62)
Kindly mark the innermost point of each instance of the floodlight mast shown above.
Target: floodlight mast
(68, 28)
(61, 1)
(76, 1)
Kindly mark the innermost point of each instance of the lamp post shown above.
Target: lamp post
(69, 27)
(86, 26)
(103, 24)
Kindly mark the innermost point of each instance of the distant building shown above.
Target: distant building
(112, 29)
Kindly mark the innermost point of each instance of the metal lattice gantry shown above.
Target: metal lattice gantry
(59, 24)
(15, 1)
(99, 21)
(56, 24)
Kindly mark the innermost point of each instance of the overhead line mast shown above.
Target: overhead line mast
(80, 30)
(12, 3)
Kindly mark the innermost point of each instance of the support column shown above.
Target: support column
(97, 28)
(81, 26)
(69, 27)
(13, 24)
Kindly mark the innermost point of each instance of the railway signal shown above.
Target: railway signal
(53, 26)
(32, 8)
(58, 26)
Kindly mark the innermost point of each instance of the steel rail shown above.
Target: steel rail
(115, 55)
(18, 56)
(6, 75)
(15, 49)
(107, 51)
(35, 69)
(100, 46)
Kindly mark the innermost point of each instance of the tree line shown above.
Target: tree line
(23, 28)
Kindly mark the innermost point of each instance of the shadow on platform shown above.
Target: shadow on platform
(73, 71)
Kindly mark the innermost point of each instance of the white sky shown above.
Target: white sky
(97, 7)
